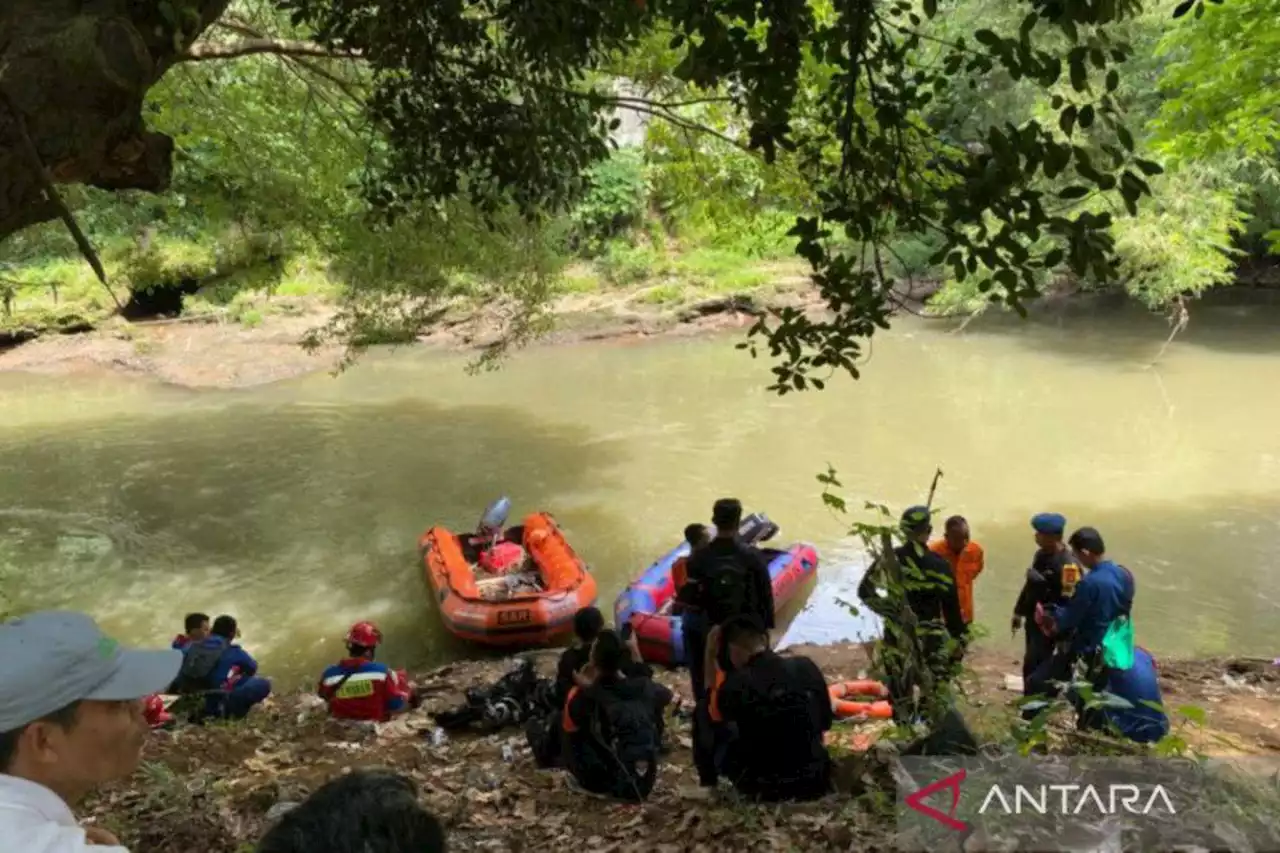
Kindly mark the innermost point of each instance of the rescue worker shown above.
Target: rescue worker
(1144, 720)
(611, 725)
(726, 578)
(226, 674)
(698, 537)
(930, 593)
(1051, 581)
(587, 625)
(965, 557)
(195, 629)
(360, 688)
(1104, 595)
(777, 710)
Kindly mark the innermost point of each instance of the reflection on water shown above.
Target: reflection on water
(297, 506)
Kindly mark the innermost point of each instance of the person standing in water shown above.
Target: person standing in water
(965, 557)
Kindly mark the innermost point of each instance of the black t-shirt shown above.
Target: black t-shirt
(931, 588)
(758, 595)
(574, 658)
(1051, 581)
(781, 708)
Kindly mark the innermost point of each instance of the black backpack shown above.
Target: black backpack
(627, 729)
(198, 663)
(728, 588)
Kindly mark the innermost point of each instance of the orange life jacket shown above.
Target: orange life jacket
(566, 721)
(966, 566)
(680, 572)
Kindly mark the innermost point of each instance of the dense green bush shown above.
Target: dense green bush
(614, 204)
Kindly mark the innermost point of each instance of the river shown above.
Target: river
(296, 506)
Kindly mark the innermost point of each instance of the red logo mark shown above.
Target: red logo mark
(952, 784)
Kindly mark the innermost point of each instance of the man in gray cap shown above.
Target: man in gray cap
(70, 720)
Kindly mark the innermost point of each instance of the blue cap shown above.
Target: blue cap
(49, 660)
(1049, 523)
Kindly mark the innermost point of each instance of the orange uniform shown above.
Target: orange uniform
(680, 573)
(966, 566)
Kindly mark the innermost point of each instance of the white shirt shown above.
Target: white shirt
(34, 819)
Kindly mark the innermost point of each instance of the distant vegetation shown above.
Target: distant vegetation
(278, 151)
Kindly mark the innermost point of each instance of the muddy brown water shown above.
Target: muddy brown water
(296, 506)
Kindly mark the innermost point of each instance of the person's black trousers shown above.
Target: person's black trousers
(1037, 649)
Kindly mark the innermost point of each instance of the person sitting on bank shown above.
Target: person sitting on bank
(588, 622)
(195, 629)
(359, 688)
(545, 736)
(367, 811)
(1105, 594)
(70, 721)
(965, 557)
(1051, 582)
(225, 673)
(776, 711)
(611, 725)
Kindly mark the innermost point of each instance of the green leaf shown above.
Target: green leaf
(1053, 257)
(1079, 74)
(1086, 116)
(1067, 119)
(1194, 713)
(1113, 80)
(987, 37)
(1074, 192)
(930, 8)
(1148, 167)
(1126, 139)
(1183, 8)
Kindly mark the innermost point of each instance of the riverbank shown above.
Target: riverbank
(211, 789)
(259, 342)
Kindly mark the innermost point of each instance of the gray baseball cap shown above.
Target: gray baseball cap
(50, 659)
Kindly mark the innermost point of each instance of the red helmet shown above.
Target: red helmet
(155, 712)
(364, 634)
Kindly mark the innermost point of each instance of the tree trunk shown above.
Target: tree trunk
(76, 73)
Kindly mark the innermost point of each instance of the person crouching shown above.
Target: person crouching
(360, 688)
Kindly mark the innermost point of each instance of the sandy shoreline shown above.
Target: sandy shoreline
(213, 353)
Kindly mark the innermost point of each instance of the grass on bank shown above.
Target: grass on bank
(63, 295)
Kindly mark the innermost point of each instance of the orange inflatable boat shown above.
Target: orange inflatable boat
(505, 601)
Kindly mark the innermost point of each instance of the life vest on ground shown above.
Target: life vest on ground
(359, 689)
(844, 702)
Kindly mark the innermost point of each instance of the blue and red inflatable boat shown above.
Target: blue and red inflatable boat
(647, 601)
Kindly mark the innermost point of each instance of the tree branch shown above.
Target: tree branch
(55, 200)
(210, 50)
